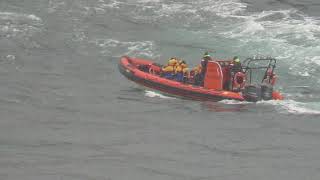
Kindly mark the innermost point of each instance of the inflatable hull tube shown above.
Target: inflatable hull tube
(129, 67)
(148, 74)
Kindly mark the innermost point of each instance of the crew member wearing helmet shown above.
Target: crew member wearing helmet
(169, 70)
(196, 71)
(236, 65)
(204, 61)
(181, 70)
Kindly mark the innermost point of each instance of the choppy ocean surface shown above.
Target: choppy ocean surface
(67, 113)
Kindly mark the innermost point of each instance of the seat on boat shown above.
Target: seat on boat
(214, 76)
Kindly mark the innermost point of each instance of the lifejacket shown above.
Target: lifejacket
(239, 80)
(178, 68)
(185, 70)
(172, 62)
(168, 69)
(197, 69)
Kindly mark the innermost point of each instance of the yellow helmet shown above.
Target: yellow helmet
(236, 59)
(172, 62)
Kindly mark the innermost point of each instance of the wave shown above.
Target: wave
(287, 25)
(287, 34)
(20, 17)
(294, 107)
(116, 48)
(19, 25)
(186, 13)
(284, 106)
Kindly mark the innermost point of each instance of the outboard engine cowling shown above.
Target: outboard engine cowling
(252, 93)
(266, 91)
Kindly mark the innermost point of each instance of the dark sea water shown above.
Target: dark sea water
(68, 114)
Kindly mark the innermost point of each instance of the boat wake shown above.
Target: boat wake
(295, 107)
(284, 106)
(153, 94)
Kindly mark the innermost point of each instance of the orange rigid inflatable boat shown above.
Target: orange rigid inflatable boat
(219, 83)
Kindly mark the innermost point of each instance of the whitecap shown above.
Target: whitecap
(18, 16)
(315, 60)
(116, 48)
(223, 8)
(251, 28)
(18, 24)
(187, 13)
(113, 4)
(153, 94)
(304, 74)
(283, 106)
(279, 33)
(227, 101)
(148, 1)
(294, 107)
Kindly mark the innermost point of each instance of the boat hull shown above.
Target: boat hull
(129, 68)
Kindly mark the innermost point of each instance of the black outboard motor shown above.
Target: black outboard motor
(252, 93)
(266, 91)
(260, 78)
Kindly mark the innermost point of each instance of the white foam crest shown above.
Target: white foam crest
(113, 4)
(54, 5)
(252, 27)
(137, 48)
(306, 63)
(155, 94)
(294, 107)
(171, 9)
(223, 8)
(278, 24)
(18, 24)
(8, 59)
(19, 17)
(84, 7)
(315, 60)
(187, 12)
(226, 101)
(79, 35)
(284, 106)
(251, 23)
(148, 1)
(286, 34)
